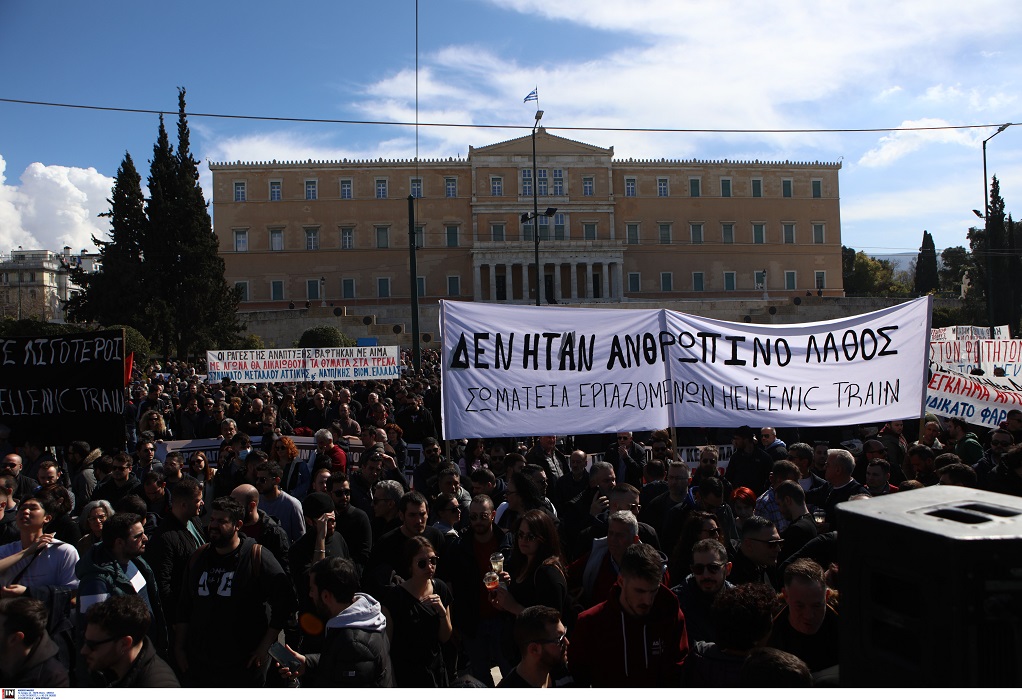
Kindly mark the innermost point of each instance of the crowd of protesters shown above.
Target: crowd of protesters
(524, 562)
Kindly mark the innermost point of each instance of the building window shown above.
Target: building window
(696, 231)
(312, 289)
(497, 233)
(559, 227)
(757, 187)
(629, 187)
(632, 234)
(420, 237)
(382, 236)
(347, 288)
(312, 239)
(589, 232)
(275, 190)
(420, 286)
(526, 182)
(541, 182)
(761, 279)
(381, 188)
(241, 241)
(665, 234)
(383, 287)
(239, 192)
(588, 186)
(790, 279)
(634, 282)
(496, 187)
(242, 287)
(277, 290)
(789, 233)
(416, 187)
(694, 188)
(544, 228)
(821, 279)
(347, 238)
(452, 236)
(786, 188)
(527, 234)
(759, 233)
(450, 187)
(666, 281)
(558, 183)
(818, 233)
(725, 187)
(345, 189)
(697, 282)
(729, 281)
(662, 188)
(817, 189)
(276, 239)
(727, 233)
(453, 286)
(311, 189)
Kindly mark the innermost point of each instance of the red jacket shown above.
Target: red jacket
(338, 459)
(610, 649)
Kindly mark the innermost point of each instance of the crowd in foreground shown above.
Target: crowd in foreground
(523, 563)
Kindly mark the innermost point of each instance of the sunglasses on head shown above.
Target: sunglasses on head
(423, 563)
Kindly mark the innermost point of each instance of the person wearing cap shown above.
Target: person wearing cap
(750, 464)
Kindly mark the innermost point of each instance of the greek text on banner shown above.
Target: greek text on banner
(305, 364)
(521, 370)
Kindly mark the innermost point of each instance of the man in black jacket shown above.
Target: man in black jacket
(174, 542)
(117, 650)
(357, 651)
(29, 660)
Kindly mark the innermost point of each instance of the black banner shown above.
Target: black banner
(62, 388)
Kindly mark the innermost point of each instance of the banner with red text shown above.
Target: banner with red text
(305, 364)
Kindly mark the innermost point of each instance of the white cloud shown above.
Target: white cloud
(53, 206)
(898, 144)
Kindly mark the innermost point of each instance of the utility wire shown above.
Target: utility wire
(453, 125)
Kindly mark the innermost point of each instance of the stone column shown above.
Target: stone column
(619, 280)
(493, 282)
(589, 281)
(477, 283)
(525, 281)
(558, 293)
(574, 281)
(605, 280)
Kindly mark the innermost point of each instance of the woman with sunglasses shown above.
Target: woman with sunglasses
(535, 574)
(699, 525)
(418, 619)
(203, 471)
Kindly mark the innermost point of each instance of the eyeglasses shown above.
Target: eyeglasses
(528, 537)
(341, 492)
(432, 452)
(1001, 443)
(93, 643)
(11, 464)
(699, 569)
(773, 544)
(479, 516)
(622, 439)
(707, 461)
(560, 641)
(428, 561)
(712, 530)
(262, 479)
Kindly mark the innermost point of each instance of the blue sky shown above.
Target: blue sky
(734, 65)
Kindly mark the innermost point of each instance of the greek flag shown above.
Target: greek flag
(534, 96)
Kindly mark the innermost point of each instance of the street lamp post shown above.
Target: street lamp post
(986, 230)
(535, 202)
(322, 291)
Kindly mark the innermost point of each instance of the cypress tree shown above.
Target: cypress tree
(926, 280)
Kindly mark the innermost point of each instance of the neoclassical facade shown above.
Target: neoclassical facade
(338, 232)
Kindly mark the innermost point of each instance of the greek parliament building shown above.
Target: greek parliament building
(313, 233)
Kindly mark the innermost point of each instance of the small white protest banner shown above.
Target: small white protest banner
(349, 364)
(308, 364)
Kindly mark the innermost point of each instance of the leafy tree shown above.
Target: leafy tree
(324, 337)
(926, 278)
(135, 342)
(111, 294)
(868, 277)
(954, 265)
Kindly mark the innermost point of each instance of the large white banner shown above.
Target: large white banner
(305, 364)
(521, 370)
